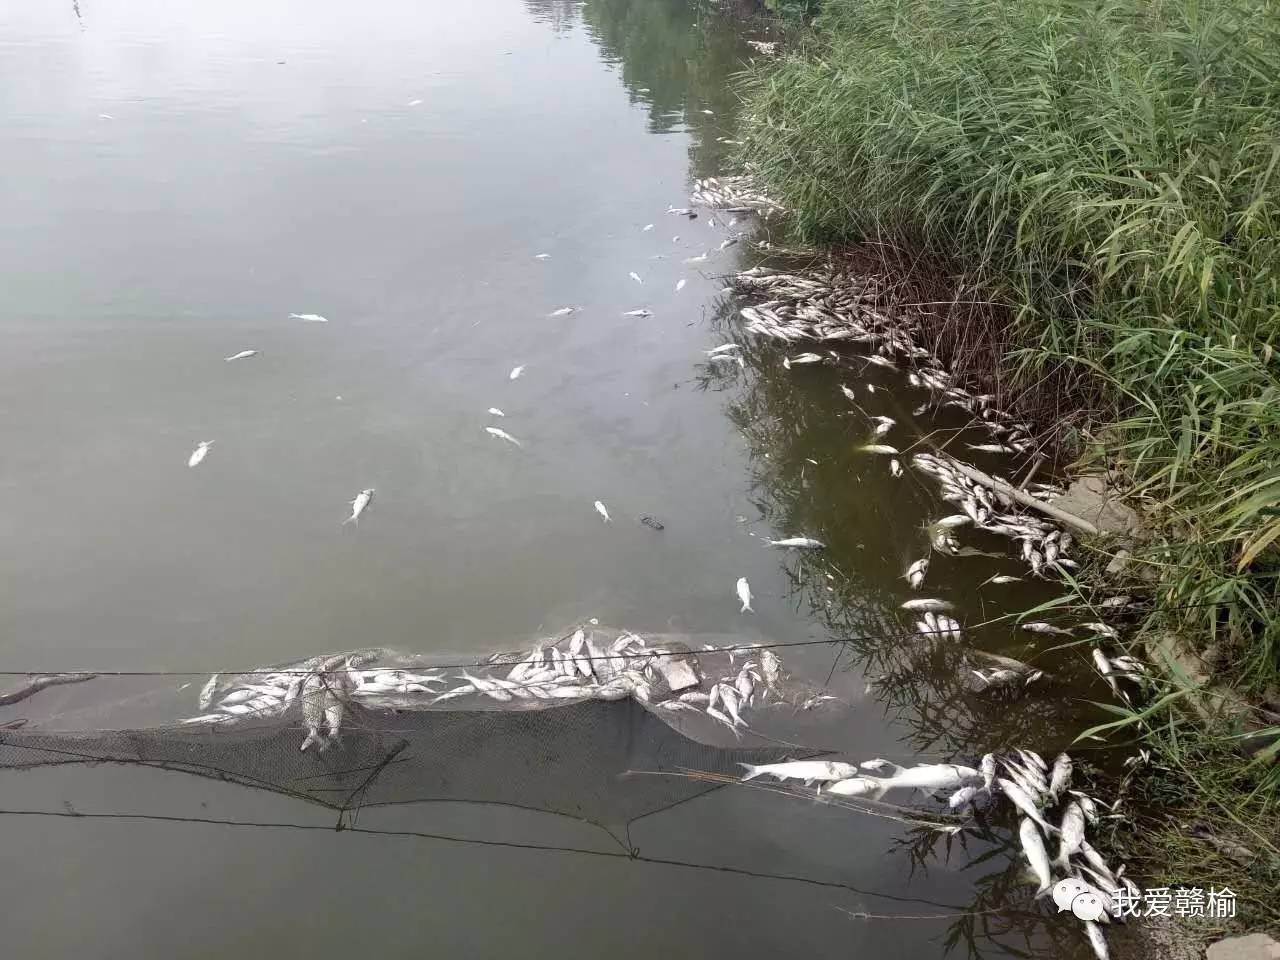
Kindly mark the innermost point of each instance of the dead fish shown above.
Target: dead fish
(502, 435)
(698, 259)
(1002, 578)
(515, 372)
(635, 276)
(600, 509)
(542, 256)
(309, 317)
(653, 524)
(562, 312)
(1072, 834)
(680, 284)
(1040, 626)
(358, 505)
(1019, 798)
(646, 228)
(915, 573)
(1101, 629)
(206, 693)
(810, 771)
(952, 521)
(1033, 849)
(709, 113)
(1060, 778)
(883, 426)
(881, 448)
(242, 355)
(744, 594)
(1096, 940)
(199, 453)
(880, 361)
(312, 710)
(642, 312)
(1104, 667)
(962, 797)
(990, 448)
(849, 394)
(728, 242)
(895, 468)
(496, 412)
(801, 543)
(926, 604)
(806, 358)
(723, 348)
(856, 787)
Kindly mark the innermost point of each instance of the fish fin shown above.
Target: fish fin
(311, 738)
(746, 608)
(752, 771)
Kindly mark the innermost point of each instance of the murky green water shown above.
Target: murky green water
(183, 177)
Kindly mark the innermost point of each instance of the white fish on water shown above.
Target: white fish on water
(952, 521)
(880, 448)
(642, 312)
(709, 113)
(680, 284)
(515, 372)
(309, 317)
(600, 509)
(915, 573)
(542, 256)
(562, 312)
(701, 258)
(855, 787)
(199, 453)
(895, 468)
(496, 412)
(1060, 778)
(883, 426)
(1097, 940)
(635, 276)
(1019, 798)
(1003, 578)
(502, 435)
(744, 594)
(1072, 831)
(723, 348)
(242, 355)
(809, 771)
(962, 797)
(358, 505)
(927, 777)
(1039, 626)
(206, 693)
(800, 543)
(646, 228)
(928, 604)
(1033, 848)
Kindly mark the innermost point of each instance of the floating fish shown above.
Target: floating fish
(652, 523)
(856, 787)
(962, 797)
(809, 771)
(926, 604)
(1033, 849)
(358, 505)
(502, 435)
(951, 522)
(312, 709)
(206, 693)
(895, 468)
(698, 259)
(990, 448)
(1060, 778)
(415, 103)
(496, 412)
(515, 372)
(642, 312)
(1003, 578)
(1096, 940)
(744, 594)
(635, 276)
(600, 509)
(542, 256)
(242, 355)
(723, 348)
(562, 312)
(727, 242)
(709, 113)
(1023, 802)
(848, 393)
(680, 284)
(646, 228)
(1072, 834)
(881, 448)
(915, 573)
(883, 426)
(801, 543)
(1039, 626)
(309, 317)
(199, 453)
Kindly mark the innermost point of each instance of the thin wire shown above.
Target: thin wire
(732, 648)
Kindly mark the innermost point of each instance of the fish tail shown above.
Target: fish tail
(355, 520)
(752, 771)
(746, 607)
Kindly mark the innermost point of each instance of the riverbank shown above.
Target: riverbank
(1085, 203)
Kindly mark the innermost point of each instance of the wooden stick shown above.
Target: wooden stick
(973, 473)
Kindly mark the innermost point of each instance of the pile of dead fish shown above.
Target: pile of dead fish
(574, 667)
(1035, 790)
(732, 194)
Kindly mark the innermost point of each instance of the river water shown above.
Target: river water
(182, 178)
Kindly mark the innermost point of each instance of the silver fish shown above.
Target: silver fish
(952, 521)
(487, 687)
(1072, 831)
(642, 312)
(856, 787)
(744, 594)
(802, 543)
(515, 372)
(646, 228)
(358, 505)
(990, 447)
(312, 709)
(962, 797)
(562, 312)
(1097, 940)
(635, 276)
(1033, 848)
(695, 698)
(1003, 578)
(308, 317)
(698, 259)
(496, 412)
(199, 453)
(502, 435)
(810, 771)
(600, 509)
(987, 768)
(926, 604)
(206, 693)
(929, 777)
(881, 448)
(1023, 802)
(895, 468)
(680, 284)
(1041, 627)
(542, 256)
(915, 573)
(459, 691)
(333, 716)
(723, 348)
(242, 355)
(1060, 778)
(772, 668)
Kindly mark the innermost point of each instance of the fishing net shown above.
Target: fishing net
(599, 725)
